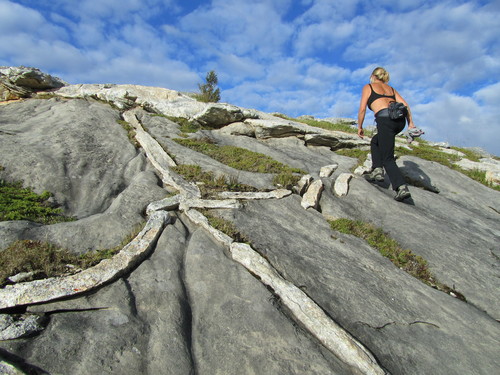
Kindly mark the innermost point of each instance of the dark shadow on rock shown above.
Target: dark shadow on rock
(416, 177)
(409, 201)
(20, 363)
(383, 184)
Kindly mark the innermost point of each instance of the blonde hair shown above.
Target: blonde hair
(381, 74)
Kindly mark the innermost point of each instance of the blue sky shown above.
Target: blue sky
(303, 57)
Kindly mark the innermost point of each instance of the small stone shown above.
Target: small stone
(327, 170)
(303, 184)
(312, 196)
(341, 186)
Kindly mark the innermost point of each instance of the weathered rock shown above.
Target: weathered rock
(304, 183)
(312, 196)
(276, 128)
(155, 99)
(168, 204)
(21, 325)
(366, 167)
(217, 115)
(107, 270)
(341, 186)
(327, 170)
(239, 128)
(22, 82)
(340, 120)
(381, 303)
(8, 369)
(307, 312)
(31, 78)
(275, 194)
(335, 140)
(489, 165)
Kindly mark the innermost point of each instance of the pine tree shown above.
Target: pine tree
(208, 91)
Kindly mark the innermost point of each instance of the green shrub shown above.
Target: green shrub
(19, 203)
(208, 90)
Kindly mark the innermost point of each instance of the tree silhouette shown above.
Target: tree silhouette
(208, 91)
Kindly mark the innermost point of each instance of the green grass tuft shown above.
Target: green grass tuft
(413, 264)
(48, 260)
(130, 132)
(208, 182)
(224, 226)
(238, 158)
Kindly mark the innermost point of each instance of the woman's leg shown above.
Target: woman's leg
(375, 150)
(387, 130)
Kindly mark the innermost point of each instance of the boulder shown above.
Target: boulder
(21, 82)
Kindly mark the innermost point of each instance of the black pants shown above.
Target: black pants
(382, 147)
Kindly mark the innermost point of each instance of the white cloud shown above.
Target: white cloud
(16, 19)
(237, 27)
(489, 95)
(458, 120)
(442, 56)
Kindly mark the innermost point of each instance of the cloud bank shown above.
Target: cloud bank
(295, 57)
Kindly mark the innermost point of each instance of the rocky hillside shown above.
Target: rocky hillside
(261, 247)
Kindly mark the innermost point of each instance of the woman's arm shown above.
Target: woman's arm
(365, 94)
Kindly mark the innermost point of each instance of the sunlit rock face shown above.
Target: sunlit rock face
(287, 295)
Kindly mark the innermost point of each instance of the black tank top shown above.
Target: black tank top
(374, 96)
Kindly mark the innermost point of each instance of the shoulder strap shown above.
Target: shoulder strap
(371, 88)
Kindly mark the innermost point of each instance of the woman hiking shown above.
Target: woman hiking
(376, 96)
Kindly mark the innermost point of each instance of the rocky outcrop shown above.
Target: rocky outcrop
(184, 297)
(488, 165)
(21, 82)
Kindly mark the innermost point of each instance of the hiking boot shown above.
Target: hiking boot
(402, 193)
(377, 175)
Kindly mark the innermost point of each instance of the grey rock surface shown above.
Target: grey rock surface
(76, 150)
(190, 307)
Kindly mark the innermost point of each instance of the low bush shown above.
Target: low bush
(21, 203)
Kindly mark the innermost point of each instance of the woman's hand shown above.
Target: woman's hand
(361, 133)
